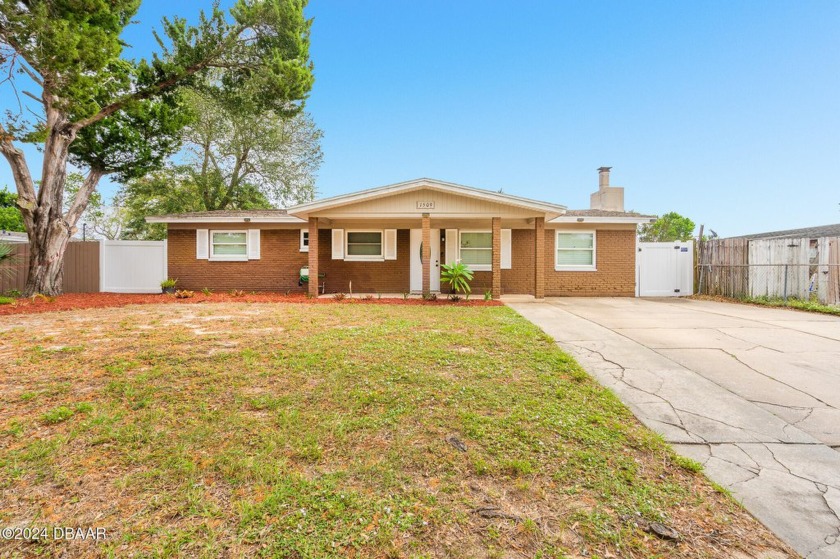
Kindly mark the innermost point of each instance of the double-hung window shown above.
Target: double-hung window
(476, 250)
(575, 250)
(364, 245)
(229, 245)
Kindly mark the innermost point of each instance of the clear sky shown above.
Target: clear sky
(727, 112)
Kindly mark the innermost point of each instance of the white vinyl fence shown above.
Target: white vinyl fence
(665, 269)
(132, 266)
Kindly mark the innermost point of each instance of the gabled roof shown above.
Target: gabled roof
(227, 216)
(431, 184)
(816, 232)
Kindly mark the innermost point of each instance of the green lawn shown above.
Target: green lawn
(295, 430)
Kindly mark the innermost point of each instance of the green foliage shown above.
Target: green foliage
(6, 300)
(167, 283)
(10, 217)
(669, 227)
(458, 276)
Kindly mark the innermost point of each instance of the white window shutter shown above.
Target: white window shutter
(451, 246)
(202, 244)
(390, 248)
(253, 244)
(338, 244)
(506, 255)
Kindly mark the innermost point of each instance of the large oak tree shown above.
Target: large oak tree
(107, 113)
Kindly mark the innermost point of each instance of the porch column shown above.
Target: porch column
(497, 258)
(539, 258)
(426, 255)
(313, 256)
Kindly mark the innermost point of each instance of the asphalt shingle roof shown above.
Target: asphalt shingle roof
(832, 230)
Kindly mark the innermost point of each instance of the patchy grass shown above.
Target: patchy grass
(794, 303)
(288, 430)
(791, 303)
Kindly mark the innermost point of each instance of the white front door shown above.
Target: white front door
(417, 263)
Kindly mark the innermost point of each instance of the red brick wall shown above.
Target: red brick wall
(615, 275)
(390, 276)
(615, 260)
(277, 269)
(281, 260)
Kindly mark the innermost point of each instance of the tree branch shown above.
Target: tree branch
(158, 87)
(82, 196)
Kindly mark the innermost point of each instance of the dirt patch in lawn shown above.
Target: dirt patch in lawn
(352, 430)
(76, 301)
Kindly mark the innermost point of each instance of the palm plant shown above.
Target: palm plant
(458, 276)
(7, 259)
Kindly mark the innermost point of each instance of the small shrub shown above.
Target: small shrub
(168, 283)
(13, 293)
(206, 291)
(6, 300)
(184, 294)
(339, 296)
(368, 298)
(430, 297)
(57, 415)
(237, 293)
(488, 295)
(454, 297)
(405, 295)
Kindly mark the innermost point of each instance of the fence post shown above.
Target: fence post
(786, 277)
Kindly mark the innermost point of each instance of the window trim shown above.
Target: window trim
(228, 257)
(477, 267)
(364, 257)
(304, 242)
(576, 267)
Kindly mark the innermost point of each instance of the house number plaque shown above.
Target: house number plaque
(425, 205)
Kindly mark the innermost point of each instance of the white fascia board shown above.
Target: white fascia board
(593, 219)
(286, 219)
(410, 186)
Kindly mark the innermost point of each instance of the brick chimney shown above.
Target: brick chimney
(608, 197)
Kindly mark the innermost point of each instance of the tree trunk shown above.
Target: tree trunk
(48, 228)
(46, 260)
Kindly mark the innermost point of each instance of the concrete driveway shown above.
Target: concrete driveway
(752, 393)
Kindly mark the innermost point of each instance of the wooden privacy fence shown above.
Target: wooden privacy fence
(787, 267)
(81, 268)
(93, 266)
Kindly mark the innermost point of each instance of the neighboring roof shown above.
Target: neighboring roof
(432, 184)
(832, 230)
(14, 237)
(226, 216)
(602, 216)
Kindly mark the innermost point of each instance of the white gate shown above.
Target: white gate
(665, 269)
(131, 266)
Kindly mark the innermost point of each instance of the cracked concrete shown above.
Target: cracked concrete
(752, 393)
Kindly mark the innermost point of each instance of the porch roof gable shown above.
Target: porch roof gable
(332, 203)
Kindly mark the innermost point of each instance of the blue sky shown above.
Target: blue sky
(726, 112)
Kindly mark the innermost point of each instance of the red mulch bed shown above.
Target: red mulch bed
(73, 301)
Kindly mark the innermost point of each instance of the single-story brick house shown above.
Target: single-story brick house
(393, 239)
